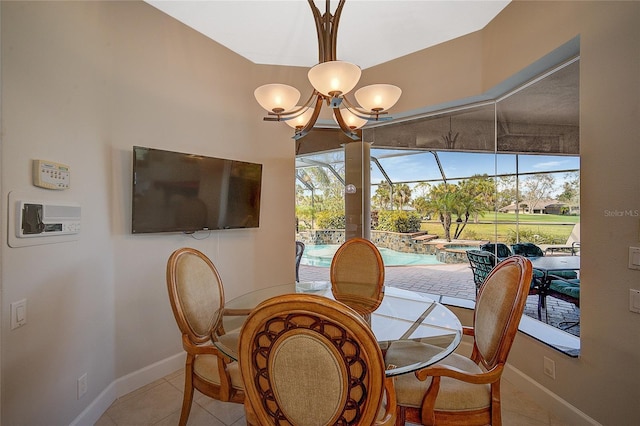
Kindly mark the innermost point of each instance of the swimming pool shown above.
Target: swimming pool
(321, 255)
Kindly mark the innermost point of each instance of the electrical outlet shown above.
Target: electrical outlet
(549, 367)
(82, 385)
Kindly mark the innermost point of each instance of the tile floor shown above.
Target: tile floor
(159, 404)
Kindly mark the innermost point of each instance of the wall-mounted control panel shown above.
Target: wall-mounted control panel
(42, 217)
(38, 219)
(51, 175)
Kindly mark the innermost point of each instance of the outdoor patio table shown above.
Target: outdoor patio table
(547, 266)
(403, 317)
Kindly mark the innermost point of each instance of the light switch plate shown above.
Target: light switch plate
(634, 300)
(634, 257)
(18, 313)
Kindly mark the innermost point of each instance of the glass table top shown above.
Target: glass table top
(404, 319)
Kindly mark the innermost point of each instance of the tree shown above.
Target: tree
(536, 188)
(479, 194)
(443, 204)
(506, 191)
(570, 189)
(421, 204)
(401, 195)
(382, 198)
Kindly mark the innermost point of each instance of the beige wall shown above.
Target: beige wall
(603, 382)
(83, 82)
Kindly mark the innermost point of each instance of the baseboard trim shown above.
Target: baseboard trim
(539, 394)
(126, 384)
(135, 380)
(545, 398)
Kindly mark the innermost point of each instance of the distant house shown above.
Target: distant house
(542, 207)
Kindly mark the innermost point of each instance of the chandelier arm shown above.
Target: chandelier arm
(344, 126)
(314, 117)
(317, 19)
(334, 29)
(361, 113)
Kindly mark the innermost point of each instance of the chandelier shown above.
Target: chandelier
(331, 80)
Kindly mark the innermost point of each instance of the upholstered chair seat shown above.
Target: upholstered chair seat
(206, 368)
(454, 395)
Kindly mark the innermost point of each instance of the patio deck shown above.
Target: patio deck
(453, 280)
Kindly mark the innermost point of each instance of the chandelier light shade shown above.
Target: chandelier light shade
(298, 122)
(378, 97)
(277, 98)
(352, 120)
(334, 78)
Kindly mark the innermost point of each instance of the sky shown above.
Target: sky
(423, 166)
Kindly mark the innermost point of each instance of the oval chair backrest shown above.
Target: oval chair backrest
(308, 360)
(196, 294)
(499, 307)
(357, 275)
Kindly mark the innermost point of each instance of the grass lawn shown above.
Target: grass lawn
(535, 228)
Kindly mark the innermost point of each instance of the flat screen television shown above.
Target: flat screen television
(178, 192)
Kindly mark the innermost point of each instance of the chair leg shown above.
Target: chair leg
(400, 416)
(187, 400)
(186, 406)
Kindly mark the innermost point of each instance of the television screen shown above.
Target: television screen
(177, 192)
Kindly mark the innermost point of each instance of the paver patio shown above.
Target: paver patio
(454, 280)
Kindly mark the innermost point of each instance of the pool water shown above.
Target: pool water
(321, 255)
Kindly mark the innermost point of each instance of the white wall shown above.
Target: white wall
(82, 82)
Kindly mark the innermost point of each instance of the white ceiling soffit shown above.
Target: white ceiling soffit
(371, 32)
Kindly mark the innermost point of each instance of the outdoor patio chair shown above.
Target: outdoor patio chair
(527, 250)
(532, 250)
(567, 290)
(481, 262)
(502, 251)
(572, 244)
(299, 252)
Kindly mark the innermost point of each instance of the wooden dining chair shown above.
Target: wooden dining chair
(466, 390)
(357, 275)
(310, 360)
(197, 300)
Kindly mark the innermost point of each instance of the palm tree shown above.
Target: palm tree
(444, 204)
(401, 194)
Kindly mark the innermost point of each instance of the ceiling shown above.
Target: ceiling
(371, 32)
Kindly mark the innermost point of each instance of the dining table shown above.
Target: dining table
(404, 318)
